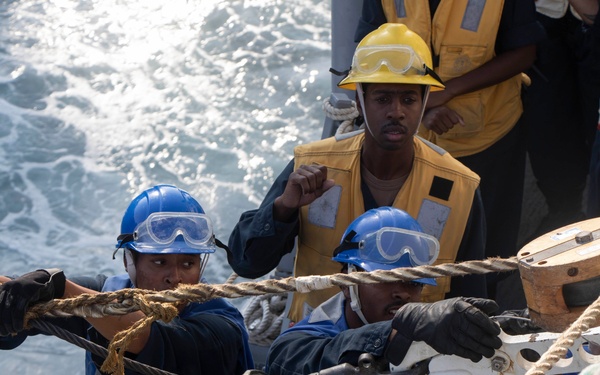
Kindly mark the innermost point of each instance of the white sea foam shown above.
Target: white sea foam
(100, 99)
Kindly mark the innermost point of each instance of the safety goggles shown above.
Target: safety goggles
(389, 244)
(397, 58)
(161, 229)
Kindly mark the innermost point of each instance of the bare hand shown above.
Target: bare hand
(441, 119)
(304, 185)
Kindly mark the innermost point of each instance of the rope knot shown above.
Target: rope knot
(164, 311)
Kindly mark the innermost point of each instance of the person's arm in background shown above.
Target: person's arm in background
(587, 9)
(499, 69)
(372, 16)
(514, 54)
(263, 236)
(440, 119)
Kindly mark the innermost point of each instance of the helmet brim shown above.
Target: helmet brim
(174, 248)
(349, 83)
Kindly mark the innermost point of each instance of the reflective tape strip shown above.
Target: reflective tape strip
(473, 14)
(400, 8)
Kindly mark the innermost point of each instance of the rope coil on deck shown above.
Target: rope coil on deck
(263, 317)
(340, 114)
(345, 115)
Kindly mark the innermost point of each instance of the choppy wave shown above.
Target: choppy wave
(101, 99)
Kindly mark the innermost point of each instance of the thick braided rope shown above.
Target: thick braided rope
(161, 305)
(122, 301)
(558, 350)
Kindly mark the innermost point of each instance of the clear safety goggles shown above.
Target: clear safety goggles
(162, 228)
(389, 244)
(397, 58)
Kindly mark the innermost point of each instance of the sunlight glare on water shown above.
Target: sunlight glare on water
(100, 99)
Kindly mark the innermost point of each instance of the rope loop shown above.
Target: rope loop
(340, 114)
(160, 311)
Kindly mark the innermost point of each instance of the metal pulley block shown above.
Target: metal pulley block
(560, 272)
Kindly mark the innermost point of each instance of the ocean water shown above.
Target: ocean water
(101, 99)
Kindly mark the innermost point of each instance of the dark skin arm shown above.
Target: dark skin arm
(440, 119)
(587, 9)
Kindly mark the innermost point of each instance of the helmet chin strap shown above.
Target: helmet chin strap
(354, 299)
(361, 99)
(425, 98)
(203, 262)
(130, 265)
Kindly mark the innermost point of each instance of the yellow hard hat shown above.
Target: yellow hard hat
(391, 54)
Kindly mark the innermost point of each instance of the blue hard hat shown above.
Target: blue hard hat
(166, 220)
(385, 238)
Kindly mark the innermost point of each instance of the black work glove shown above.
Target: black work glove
(457, 326)
(16, 296)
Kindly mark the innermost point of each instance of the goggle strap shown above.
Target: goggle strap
(346, 244)
(221, 245)
(432, 73)
(126, 237)
(121, 240)
(338, 73)
(203, 262)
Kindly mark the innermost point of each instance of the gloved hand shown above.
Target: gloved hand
(457, 326)
(16, 296)
(512, 323)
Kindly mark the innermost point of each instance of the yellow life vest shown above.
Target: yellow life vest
(462, 36)
(438, 192)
